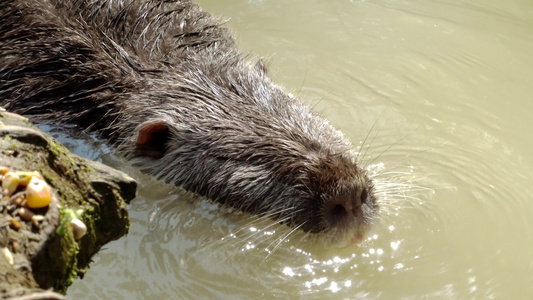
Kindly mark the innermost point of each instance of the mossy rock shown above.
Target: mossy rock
(46, 255)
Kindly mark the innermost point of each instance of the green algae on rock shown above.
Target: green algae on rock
(46, 255)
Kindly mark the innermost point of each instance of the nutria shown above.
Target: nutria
(164, 82)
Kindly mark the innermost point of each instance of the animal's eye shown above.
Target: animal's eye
(364, 196)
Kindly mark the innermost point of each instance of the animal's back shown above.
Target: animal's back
(77, 60)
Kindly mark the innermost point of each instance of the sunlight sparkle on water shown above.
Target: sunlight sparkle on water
(310, 269)
(348, 283)
(319, 281)
(249, 246)
(398, 266)
(303, 252)
(288, 271)
(334, 287)
(395, 245)
(375, 167)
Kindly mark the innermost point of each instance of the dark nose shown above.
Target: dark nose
(341, 210)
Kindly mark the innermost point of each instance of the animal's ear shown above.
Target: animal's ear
(152, 139)
(260, 66)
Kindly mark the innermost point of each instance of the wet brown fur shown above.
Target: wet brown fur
(164, 83)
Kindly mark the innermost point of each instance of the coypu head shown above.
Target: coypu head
(298, 171)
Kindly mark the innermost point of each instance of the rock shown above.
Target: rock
(45, 252)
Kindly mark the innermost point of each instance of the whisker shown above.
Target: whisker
(390, 146)
(370, 131)
(262, 223)
(413, 153)
(281, 240)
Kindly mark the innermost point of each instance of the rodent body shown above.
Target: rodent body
(164, 82)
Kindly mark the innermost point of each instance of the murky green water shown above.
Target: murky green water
(443, 89)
